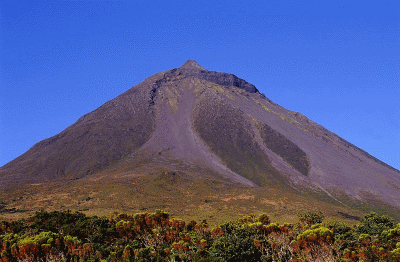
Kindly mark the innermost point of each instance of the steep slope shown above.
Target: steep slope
(97, 140)
(207, 125)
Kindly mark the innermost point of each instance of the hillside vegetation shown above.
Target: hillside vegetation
(67, 236)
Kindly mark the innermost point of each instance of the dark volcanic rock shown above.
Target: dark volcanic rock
(285, 148)
(227, 132)
(192, 68)
(223, 79)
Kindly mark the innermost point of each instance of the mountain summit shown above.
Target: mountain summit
(208, 126)
(192, 65)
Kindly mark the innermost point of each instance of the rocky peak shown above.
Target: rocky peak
(191, 65)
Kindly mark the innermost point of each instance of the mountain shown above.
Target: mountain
(194, 129)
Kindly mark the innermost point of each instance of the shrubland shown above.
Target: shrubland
(73, 236)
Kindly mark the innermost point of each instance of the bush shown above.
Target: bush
(374, 224)
(311, 218)
(237, 243)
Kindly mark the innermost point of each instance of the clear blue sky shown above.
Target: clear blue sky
(337, 62)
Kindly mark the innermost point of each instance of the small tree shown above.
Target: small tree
(310, 218)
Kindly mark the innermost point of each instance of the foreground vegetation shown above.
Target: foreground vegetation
(67, 236)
